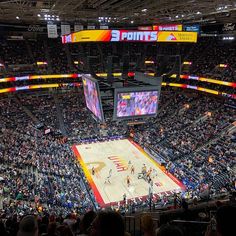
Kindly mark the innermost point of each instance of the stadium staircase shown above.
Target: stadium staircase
(45, 45)
(59, 115)
(220, 180)
(26, 110)
(30, 53)
(228, 129)
(102, 59)
(68, 56)
(166, 104)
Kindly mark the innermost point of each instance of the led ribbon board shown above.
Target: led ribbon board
(130, 36)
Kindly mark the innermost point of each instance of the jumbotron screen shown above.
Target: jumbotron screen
(92, 97)
(136, 103)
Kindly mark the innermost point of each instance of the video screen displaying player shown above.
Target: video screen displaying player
(137, 103)
(92, 97)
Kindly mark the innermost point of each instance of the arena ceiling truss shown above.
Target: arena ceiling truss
(120, 11)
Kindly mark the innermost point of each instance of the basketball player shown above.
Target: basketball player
(128, 181)
(93, 171)
(144, 169)
(154, 172)
(124, 197)
(110, 172)
(107, 180)
(132, 170)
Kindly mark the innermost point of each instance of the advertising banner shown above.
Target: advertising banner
(183, 37)
(192, 28)
(168, 27)
(129, 36)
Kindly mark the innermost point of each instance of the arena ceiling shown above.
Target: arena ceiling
(119, 11)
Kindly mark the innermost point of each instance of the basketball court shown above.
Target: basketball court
(108, 164)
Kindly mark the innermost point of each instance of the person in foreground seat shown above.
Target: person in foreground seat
(169, 230)
(147, 225)
(28, 226)
(225, 222)
(108, 224)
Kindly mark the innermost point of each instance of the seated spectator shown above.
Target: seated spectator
(3, 231)
(64, 230)
(147, 225)
(107, 224)
(52, 227)
(28, 226)
(69, 220)
(169, 230)
(225, 222)
(86, 223)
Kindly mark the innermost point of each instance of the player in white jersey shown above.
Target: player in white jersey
(107, 180)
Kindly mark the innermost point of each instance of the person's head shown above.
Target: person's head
(52, 218)
(169, 230)
(225, 220)
(64, 230)
(52, 228)
(87, 220)
(107, 224)
(28, 226)
(147, 224)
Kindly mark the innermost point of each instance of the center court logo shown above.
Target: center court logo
(121, 164)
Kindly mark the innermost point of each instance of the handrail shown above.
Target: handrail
(190, 222)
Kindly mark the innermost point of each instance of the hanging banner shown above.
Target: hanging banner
(104, 27)
(91, 27)
(65, 29)
(130, 36)
(78, 28)
(52, 31)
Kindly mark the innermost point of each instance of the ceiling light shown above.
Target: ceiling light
(58, 19)
(198, 12)
(17, 17)
(182, 15)
(176, 16)
(131, 21)
(39, 15)
(144, 10)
